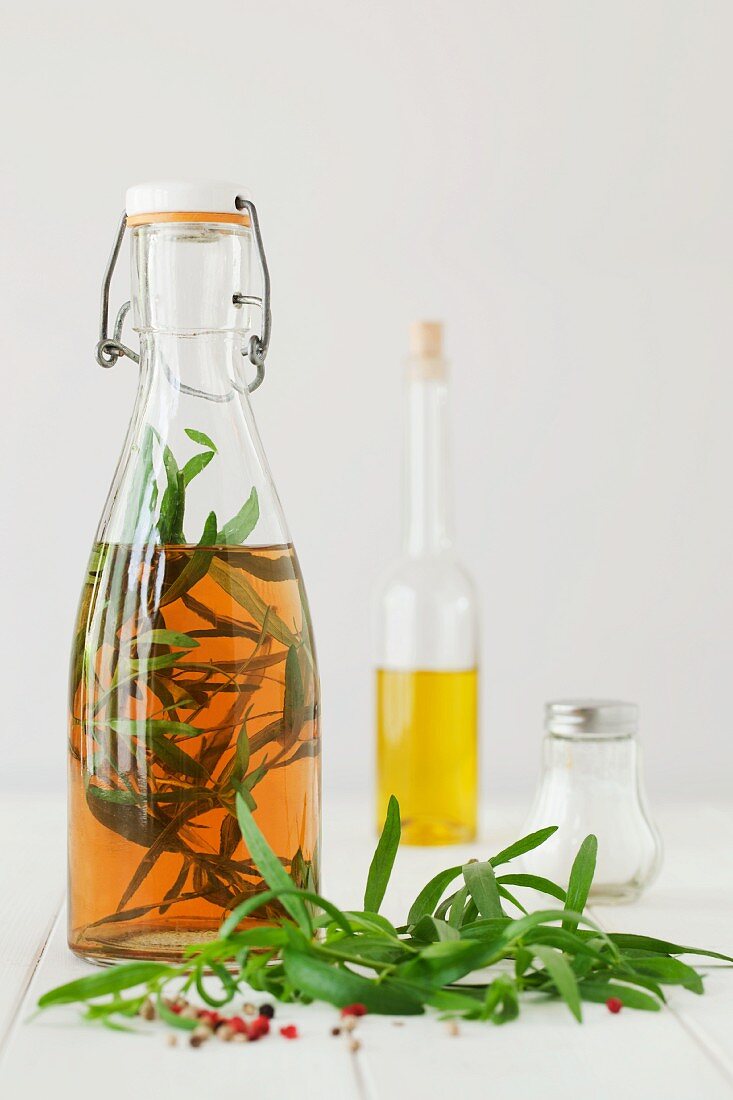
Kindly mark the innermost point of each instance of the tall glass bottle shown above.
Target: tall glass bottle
(193, 671)
(426, 633)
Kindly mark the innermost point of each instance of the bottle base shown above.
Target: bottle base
(434, 832)
(610, 894)
(106, 945)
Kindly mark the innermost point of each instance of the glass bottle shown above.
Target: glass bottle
(193, 672)
(591, 783)
(426, 633)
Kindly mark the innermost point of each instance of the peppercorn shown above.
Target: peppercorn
(613, 1004)
(200, 1035)
(289, 1032)
(356, 1009)
(335, 1030)
(267, 1010)
(259, 1027)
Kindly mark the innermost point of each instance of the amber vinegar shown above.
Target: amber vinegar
(176, 704)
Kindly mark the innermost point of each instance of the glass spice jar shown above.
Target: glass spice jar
(591, 783)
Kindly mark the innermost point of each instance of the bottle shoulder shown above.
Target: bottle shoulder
(425, 615)
(439, 574)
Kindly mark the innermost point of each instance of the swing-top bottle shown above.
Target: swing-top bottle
(193, 676)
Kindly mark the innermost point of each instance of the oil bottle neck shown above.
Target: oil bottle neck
(427, 528)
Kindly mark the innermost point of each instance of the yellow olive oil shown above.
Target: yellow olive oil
(427, 752)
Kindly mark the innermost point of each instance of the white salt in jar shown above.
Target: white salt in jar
(591, 783)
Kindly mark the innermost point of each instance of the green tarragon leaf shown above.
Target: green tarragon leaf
(384, 857)
(196, 568)
(481, 883)
(148, 728)
(174, 1019)
(201, 438)
(501, 1001)
(166, 637)
(242, 750)
(562, 976)
(339, 986)
(581, 877)
(268, 863)
(521, 847)
(430, 895)
(293, 699)
(237, 529)
(670, 972)
(455, 918)
(170, 508)
(534, 882)
(242, 592)
(665, 947)
(600, 991)
(109, 981)
(195, 465)
(431, 929)
(175, 758)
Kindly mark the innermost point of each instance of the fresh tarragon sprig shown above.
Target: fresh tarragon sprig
(443, 957)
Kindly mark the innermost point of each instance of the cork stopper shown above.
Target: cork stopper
(426, 350)
(426, 338)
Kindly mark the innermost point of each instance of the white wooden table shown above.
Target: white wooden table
(684, 1052)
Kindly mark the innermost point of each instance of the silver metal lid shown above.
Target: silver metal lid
(591, 717)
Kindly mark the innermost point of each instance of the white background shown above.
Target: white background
(553, 180)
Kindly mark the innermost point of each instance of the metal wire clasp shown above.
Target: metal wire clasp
(111, 348)
(258, 345)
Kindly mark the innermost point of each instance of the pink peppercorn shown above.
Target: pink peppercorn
(238, 1025)
(259, 1027)
(613, 1004)
(209, 1017)
(357, 1009)
(289, 1032)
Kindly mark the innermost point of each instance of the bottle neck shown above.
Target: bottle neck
(209, 365)
(188, 279)
(193, 439)
(427, 527)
